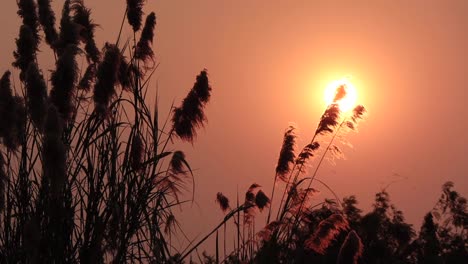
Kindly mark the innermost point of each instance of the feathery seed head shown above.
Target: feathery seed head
(223, 201)
(190, 116)
(88, 78)
(329, 120)
(177, 161)
(340, 93)
(106, 78)
(36, 95)
(287, 155)
(47, 20)
(261, 200)
(63, 81)
(26, 48)
(144, 51)
(134, 13)
(86, 27)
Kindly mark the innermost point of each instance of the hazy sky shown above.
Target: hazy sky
(269, 62)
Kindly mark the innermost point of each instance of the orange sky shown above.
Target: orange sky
(269, 62)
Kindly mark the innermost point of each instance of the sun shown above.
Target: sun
(347, 102)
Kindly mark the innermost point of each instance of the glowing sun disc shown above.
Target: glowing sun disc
(348, 101)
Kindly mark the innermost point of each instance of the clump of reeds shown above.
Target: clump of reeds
(53, 151)
(78, 187)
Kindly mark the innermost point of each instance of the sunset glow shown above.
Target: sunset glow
(348, 101)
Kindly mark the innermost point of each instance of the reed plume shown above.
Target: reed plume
(306, 153)
(287, 155)
(28, 12)
(326, 232)
(107, 77)
(36, 95)
(13, 113)
(26, 48)
(47, 20)
(144, 51)
(190, 116)
(261, 200)
(88, 78)
(223, 201)
(69, 31)
(82, 18)
(358, 112)
(340, 93)
(329, 120)
(134, 13)
(63, 81)
(127, 73)
(54, 154)
(351, 250)
(177, 162)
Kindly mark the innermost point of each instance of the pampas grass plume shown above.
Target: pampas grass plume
(36, 95)
(329, 120)
(223, 201)
(47, 20)
(27, 11)
(261, 200)
(144, 51)
(26, 48)
(106, 78)
(287, 155)
(82, 18)
(63, 81)
(134, 13)
(190, 116)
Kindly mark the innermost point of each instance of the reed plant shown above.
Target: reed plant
(88, 173)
